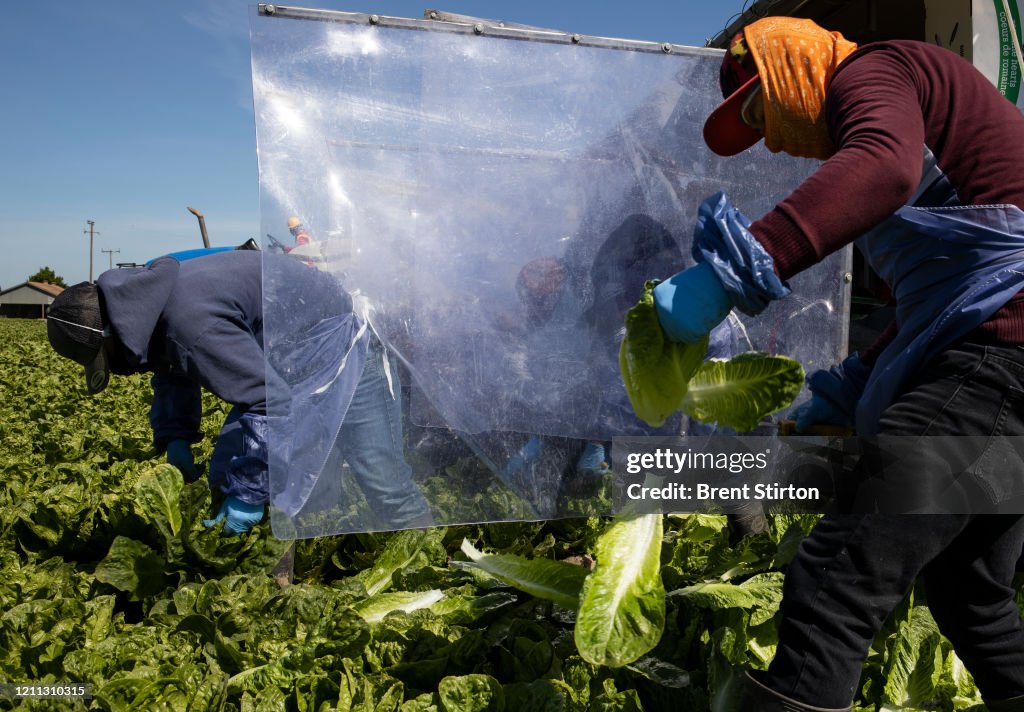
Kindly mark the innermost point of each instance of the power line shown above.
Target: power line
(110, 254)
(91, 233)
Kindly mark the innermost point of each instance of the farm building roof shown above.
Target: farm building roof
(45, 287)
(30, 293)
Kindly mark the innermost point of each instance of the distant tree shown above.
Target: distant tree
(45, 274)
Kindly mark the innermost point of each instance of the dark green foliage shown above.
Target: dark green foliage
(109, 578)
(46, 274)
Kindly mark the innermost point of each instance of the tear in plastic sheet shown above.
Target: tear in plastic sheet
(493, 206)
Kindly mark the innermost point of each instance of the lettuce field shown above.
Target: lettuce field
(108, 577)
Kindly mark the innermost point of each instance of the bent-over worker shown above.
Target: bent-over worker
(199, 323)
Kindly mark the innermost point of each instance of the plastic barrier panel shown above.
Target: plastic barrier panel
(493, 200)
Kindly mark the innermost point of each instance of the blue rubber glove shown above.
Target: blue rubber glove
(819, 410)
(834, 394)
(691, 303)
(241, 517)
(179, 454)
(592, 461)
(527, 455)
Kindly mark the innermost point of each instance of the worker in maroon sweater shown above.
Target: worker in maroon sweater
(922, 168)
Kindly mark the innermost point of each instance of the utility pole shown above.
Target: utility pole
(110, 254)
(91, 233)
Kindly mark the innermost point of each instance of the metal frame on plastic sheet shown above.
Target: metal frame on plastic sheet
(461, 24)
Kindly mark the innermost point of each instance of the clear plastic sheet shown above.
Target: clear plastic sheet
(494, 206)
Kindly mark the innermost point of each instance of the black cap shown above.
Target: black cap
(75, 328)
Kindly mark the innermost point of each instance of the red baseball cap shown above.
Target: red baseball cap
(725, 132)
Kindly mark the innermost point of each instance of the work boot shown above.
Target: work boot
(758, 698)
(1015, 704)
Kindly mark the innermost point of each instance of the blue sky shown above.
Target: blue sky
(125, 112)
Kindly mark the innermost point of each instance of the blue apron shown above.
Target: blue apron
(950, 269)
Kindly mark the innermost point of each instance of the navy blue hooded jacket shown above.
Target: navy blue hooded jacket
(199, 323)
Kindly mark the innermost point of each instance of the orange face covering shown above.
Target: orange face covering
(796, 60)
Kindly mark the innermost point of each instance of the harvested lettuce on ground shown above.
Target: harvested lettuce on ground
(620, 605)
(655, 370)
(663, 376)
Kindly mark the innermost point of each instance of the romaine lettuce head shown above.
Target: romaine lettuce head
(655, 370)
(742, 390)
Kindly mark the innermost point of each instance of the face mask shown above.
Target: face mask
(796, 60)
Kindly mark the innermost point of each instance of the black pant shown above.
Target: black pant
(854, 569)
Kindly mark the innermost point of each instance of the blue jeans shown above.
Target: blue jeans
(371, 442)
(854, 569)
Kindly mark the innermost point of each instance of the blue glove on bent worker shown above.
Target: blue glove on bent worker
(179, 454)
(241, 517)
(819, 410)
(834, 395)
(527, 456)
(691, 303)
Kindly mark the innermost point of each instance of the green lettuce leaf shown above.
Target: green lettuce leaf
(464, 609)
(655, 370)
(400, 552)
(133, 567)
(717, 596)
(912, 645)
(622, 607)
(544, 578)
(741, 391)
(375, 608)
(471, 693)
(157, 495)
